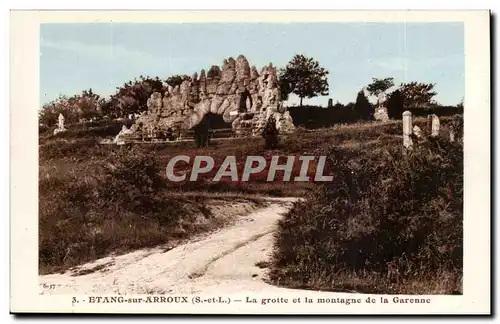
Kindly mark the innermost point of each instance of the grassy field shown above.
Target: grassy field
(374, 228)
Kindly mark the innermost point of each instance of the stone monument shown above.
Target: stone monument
(60, 125)
(435, 126)
(381, 113)
(407, 130)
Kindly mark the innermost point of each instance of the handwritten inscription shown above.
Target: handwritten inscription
(47, 286)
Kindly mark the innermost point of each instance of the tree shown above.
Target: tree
(304, 77)
(50, 111)
(284, 84)
(395, 105)
(337, 105)
(133, 96)
(350, 106)
(379, 86)
(176, 80)
(362, 108)
(85, 105)
(110, 107)
(89, 104)
(417, 95)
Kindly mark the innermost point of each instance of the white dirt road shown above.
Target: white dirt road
(223, 261)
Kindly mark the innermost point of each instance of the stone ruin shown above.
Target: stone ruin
(122, 135)
(237, 92)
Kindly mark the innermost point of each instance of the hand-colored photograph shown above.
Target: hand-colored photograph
(383, 102)
(266, 166)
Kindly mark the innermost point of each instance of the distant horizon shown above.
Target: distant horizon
(103, 56)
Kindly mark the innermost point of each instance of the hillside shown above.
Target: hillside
(96, 200)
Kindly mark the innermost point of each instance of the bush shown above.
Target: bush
(388, 223)
(42, 129)
(133, 181)
(82, 218)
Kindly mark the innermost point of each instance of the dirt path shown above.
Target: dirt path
(223, 261)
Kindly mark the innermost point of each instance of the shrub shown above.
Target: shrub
(133, 180)
(388, 223)
(82, 218)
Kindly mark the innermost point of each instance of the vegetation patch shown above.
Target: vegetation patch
(390, 222)
(122, 206)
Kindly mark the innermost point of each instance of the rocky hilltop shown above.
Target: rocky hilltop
(239, 93)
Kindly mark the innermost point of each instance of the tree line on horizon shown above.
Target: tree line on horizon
(302, 76)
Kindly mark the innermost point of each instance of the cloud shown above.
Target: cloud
(102, 52)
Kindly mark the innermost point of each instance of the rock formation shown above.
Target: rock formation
(122, 136)
(381, 113)
(239, 93)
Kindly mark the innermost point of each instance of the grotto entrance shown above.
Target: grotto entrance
(244, 96)
(211, 126)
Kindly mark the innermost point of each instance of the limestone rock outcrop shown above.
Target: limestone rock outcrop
(121, 138)
(381, 114)
(236, 91)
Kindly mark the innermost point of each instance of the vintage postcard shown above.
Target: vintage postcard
(250, 162)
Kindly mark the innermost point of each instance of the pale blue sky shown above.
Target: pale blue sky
(75, 57)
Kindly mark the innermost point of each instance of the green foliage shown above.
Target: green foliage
(133, 96)
(388, 223)
(134, 180)
(417, 94)
(412, 96)
(395, 105)
(50, 111)
(120, 206)
(304, 77)
(379, 86)
(362, 108)
(85, 105)
(97, 199)
(284, 84)
(176, 80)
(89, 104)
